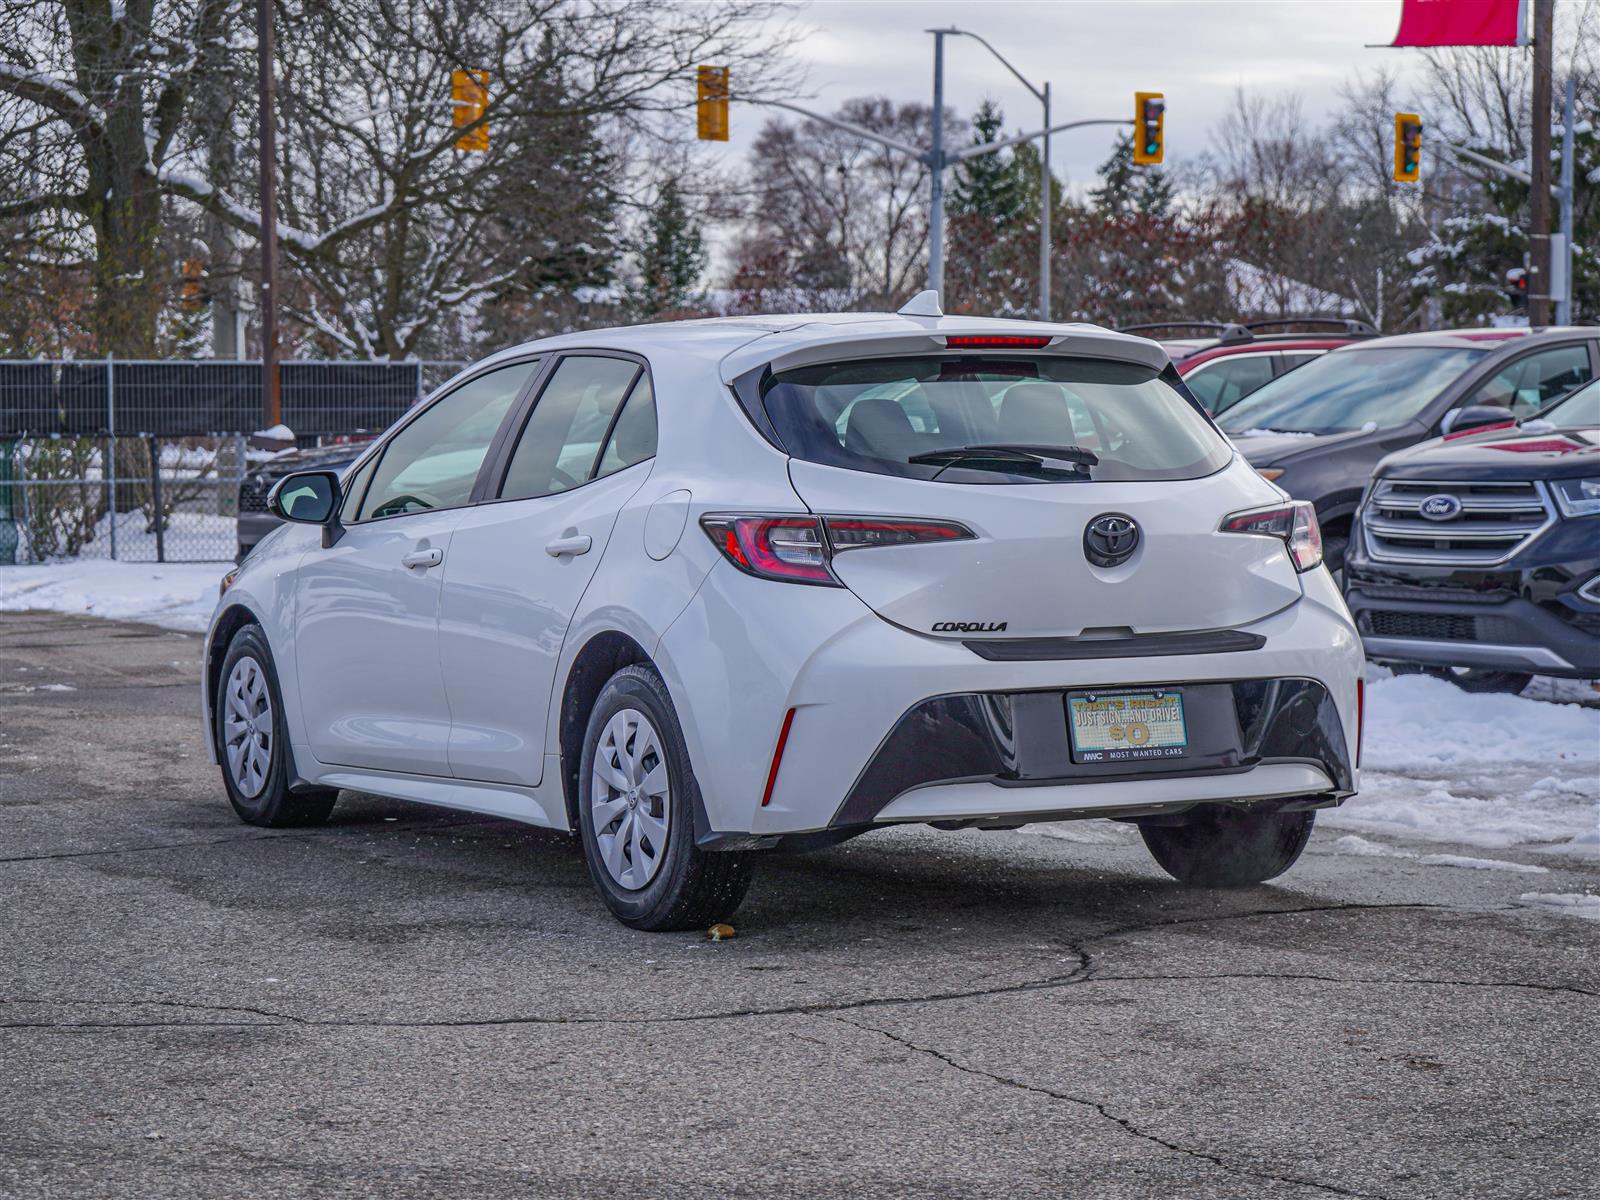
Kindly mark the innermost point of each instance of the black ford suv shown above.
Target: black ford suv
(1479, 553)
(1320, 430)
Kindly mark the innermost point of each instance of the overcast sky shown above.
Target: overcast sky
(1095, 54)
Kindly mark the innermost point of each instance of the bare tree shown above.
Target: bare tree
(842, 220)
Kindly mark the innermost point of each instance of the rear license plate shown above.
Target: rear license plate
(1127, 725)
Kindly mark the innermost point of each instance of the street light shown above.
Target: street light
(1042, 94)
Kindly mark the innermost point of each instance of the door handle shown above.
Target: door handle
(569, 545)
(423, 558)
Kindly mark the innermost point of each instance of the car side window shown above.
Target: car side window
(433, 462)
(1527, 384)
(561, 444)
(633, 437)
(1288, 362)
(1225, 381)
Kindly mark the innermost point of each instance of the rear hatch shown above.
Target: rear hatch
(1027, 452)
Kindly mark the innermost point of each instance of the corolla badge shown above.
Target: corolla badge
(1440, 507)
(1110, 539)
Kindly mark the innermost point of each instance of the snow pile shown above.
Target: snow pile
(1444, 765)
(173, 595)
(1360, 846)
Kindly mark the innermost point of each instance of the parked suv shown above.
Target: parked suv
(701, 589)
(1319, 432)
(1235, 359)
(1479, 554)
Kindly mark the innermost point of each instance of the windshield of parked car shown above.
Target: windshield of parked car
(1380, 388)
(1581, 410)
(983, 419)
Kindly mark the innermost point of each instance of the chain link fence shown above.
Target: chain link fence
(132, 498)
(143, 461)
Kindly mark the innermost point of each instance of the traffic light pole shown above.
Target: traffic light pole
(1539, 290)
(271, 406)
(1559, 278)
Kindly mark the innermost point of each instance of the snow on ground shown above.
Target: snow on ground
(1496, 771)
(173, 595)
(1571, 904)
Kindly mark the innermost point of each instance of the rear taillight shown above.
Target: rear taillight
(801, 549)
(1294, 523)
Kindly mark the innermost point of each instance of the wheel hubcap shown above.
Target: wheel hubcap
(630, 799)
(247, 726)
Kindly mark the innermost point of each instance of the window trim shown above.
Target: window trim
(492, 479)
(541, 361)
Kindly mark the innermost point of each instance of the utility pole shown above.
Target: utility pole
(1561, 265)
(1539, 202)
(936, 167)
(271, 399)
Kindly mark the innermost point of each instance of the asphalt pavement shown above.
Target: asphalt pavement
(411, 1002)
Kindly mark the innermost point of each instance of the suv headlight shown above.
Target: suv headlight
(1578, 497)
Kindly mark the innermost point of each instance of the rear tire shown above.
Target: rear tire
(645, 793)
(252, 741)
(1224, 847)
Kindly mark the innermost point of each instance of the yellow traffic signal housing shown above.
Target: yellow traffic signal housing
(711, 105)
(1149, 126)
(469, 99)
(1407, 147)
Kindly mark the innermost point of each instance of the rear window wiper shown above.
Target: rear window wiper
(1074, 460)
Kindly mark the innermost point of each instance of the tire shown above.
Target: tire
(1224, 847)
(253, 751)
(646, 791)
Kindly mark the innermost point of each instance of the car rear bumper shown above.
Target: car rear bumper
(886, 721)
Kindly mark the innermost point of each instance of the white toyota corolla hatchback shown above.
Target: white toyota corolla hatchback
(697, 590)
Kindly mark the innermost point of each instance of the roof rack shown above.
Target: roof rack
(1344, 324)
(1209, 326)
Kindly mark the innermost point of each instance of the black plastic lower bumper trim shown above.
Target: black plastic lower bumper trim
(1222, 641)
(1019, 739)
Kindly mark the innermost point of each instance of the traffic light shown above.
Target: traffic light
(469, 98)
(711, 105)
(1407, 147)
(1149, 126)
(1517, 285)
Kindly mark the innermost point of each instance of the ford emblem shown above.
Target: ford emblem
(1440, 507)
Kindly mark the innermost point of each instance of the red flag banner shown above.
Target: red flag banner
(1461, 23)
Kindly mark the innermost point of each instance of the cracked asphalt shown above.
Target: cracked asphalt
(409, 1002)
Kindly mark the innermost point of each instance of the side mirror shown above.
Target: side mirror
(310, 497)
(1476, 416)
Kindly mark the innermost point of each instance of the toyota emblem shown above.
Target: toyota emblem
(1110, 539)
(1440, 507)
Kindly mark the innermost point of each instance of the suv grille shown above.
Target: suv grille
(1442, 627)
(253, 495)
(1494, 521)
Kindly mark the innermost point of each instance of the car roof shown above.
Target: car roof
(1271, 345)
(740, 344)
(1472, 339)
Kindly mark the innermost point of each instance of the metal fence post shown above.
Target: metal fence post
(110, 471)
(155, 493)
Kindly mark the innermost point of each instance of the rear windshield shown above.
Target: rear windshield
(972, 419)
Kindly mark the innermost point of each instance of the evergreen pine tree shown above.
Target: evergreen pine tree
(1129, 187)
(989, 185)
(671, 255)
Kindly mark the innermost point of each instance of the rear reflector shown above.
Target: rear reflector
(800, 549)
(777, 758)
(985, 341)
(1361, 719)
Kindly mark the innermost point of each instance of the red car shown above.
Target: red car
(1234, 360)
